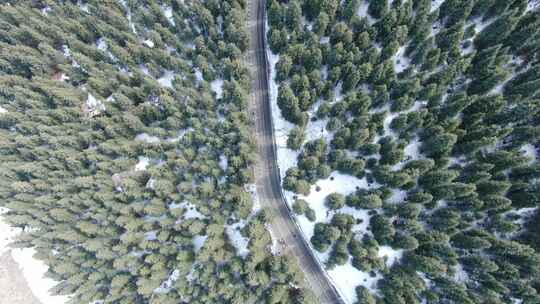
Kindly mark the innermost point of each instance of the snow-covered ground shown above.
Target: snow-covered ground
(435, 4)
(237, 239)
(32, 269)
(345, 277)
(167, 79)
(147, 138)
(149, 43)
(530, 151)
(167, 11)
(217, 87)
(363, 12)
(401, 62)
(142, 164)
(93, 106)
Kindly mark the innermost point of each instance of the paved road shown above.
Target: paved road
(266, 172)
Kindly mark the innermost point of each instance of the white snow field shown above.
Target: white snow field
(32, 269)
(345, 278)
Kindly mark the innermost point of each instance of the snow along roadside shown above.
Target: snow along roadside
(286, 158)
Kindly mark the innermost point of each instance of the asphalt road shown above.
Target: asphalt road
(266, 170)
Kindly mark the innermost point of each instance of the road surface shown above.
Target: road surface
(266, 171)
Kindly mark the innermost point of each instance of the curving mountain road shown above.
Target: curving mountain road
(266, 170)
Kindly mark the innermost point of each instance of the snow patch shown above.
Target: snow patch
(401, 62)
(347, 278)
(217, 87)
(46, 10)
(93, 106)
(528, 150)
(391, 255)
(336, 183)
(435, 4)
(223, 162)
(33, 270)
(167, 11)
(149, 43)
(198, 242)
(142, 164)
(165, 287)
(238, 241)
(460, 275)
(167, 79)
(147, 138)
(199, 75)
(363, 12)
(411, 151)
(252, 189)
(398, 196)
(2, 110)
(191, 211)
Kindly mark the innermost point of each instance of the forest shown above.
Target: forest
(434, 106)
(126, 152)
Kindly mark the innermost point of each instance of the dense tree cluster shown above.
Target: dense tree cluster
(437, 108)
(118, 157)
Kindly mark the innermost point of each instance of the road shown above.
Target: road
(266, 170)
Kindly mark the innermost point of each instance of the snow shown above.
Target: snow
(286, 157)
(336, 183)
(142, 164)
(481, 25)
(435, 4)
(2, 110)
(180, 135)
(198, 242)
(217, 87)
(223, 162)
(397, 196)
(151, 183)
(363, 12)
(238, 241)
(167, 11)
(33, 270)
(167, 79)
(411, 151)
(165, 287)
(391, 255)
(151, 235)
(533, 5)
(128, 16)
(93, 106)
(199, 75)
(528, 150)
(147, 138)
(347, 278)
(401, 62)
(523, 213)
(252, 189)
(101, 44)
(83, 6)
(191, 211)
(317, 129)
(461, 275)
(149, 43)
(46, 10)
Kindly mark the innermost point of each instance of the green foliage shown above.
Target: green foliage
(116, 175)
